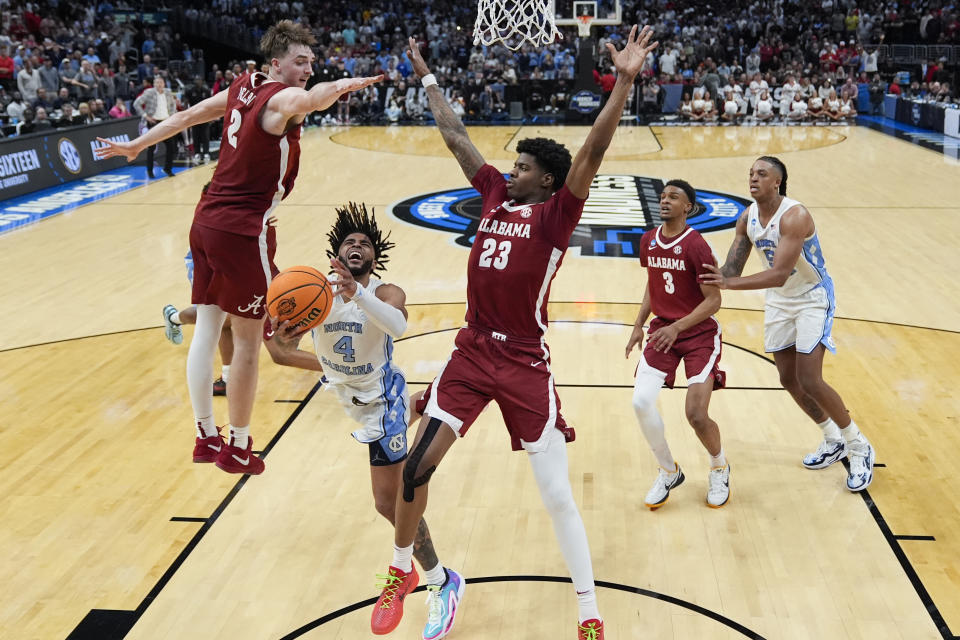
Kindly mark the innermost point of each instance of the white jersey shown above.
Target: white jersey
(357, 360)
(810, 271)
(351, 350)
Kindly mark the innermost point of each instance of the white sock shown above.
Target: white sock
(175, 317)
(206, 427)
(646, 388)
(200, 358)
(552, 475)
(225, 372)
(851, 433)
(436, 576)
(239, 436)
(719, 460)
(831, 432)
(403, 558)
(587, 602)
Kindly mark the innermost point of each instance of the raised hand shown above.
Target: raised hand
(345, 283)
(347, 85)
(419, 66)
(629, 60)
(128, 150)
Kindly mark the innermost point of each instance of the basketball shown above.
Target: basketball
(301, 295)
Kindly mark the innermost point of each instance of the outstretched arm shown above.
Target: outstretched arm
(453, 132)
(294, 101)
(210, 109)
(628, 63)
(795, 226)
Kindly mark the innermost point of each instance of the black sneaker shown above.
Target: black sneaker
(219, 387)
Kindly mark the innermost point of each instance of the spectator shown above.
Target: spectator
(63, 97)
(28, 81)
(68, 118)
(16, 107)
(156, 105)
(86, 82)
(7, 69)
(194, 94)
(49, 77)
(42, 101)
(85, 114)
(145, 69)
(41, 121)
(119, 109)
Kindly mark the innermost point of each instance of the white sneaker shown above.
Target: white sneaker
(718, 486)
(861, 458)
(660, 491)
(826, 454)
(171, 329)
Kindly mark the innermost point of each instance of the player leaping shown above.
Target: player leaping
(501, 355)
(231, 242)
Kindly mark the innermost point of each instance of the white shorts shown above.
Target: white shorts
(382, 408)
(802, 322)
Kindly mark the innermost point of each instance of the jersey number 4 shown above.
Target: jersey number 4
(502, 250)
(344, 347)
(233, 128)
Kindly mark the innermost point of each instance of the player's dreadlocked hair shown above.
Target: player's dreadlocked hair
(552, 157)
(782, 168)
(353, 218)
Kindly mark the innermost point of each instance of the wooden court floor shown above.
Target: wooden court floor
(107, 525)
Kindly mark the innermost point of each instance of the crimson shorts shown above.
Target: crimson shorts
(231, 270)
(700, 354)
(517, 377)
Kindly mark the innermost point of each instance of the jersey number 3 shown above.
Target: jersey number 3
(489, 248)
(234, 127)
(668, 285)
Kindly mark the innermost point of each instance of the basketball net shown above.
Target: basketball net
(514, 22)
(583, 25)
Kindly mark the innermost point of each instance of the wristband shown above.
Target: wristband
(428, 80)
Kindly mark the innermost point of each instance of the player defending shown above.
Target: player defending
(355, 347)
(683, 328)
(231, 242)
(798, 314)
(501, 355)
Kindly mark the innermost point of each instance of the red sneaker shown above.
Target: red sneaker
(207, 449)
(389, 608)
(590, 630)
(236, 460)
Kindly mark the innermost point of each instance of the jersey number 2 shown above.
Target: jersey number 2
(234, 127)
(344, 347)
(489, 247)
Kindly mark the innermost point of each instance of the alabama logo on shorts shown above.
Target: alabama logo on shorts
(619, 210)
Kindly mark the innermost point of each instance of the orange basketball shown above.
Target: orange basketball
(301, 295)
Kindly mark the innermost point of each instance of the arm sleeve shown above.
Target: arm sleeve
(385, 316)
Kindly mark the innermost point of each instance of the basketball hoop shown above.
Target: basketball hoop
(583, 25)
(514, 22)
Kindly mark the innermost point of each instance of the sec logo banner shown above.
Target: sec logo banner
(618, 211)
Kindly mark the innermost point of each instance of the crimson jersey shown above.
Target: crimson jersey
(516, 253)
(673, 266)
(256, 169)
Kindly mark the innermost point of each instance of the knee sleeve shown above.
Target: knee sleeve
(410, 478)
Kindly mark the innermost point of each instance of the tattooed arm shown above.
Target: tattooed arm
(739, 250)
(453, 132)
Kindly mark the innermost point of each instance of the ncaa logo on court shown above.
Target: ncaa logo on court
(69, 155)
(619, 210)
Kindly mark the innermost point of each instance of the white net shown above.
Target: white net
(514, 22)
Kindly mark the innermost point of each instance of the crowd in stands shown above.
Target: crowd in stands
(63, 64)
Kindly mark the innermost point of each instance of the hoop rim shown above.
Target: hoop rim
(583, 25)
